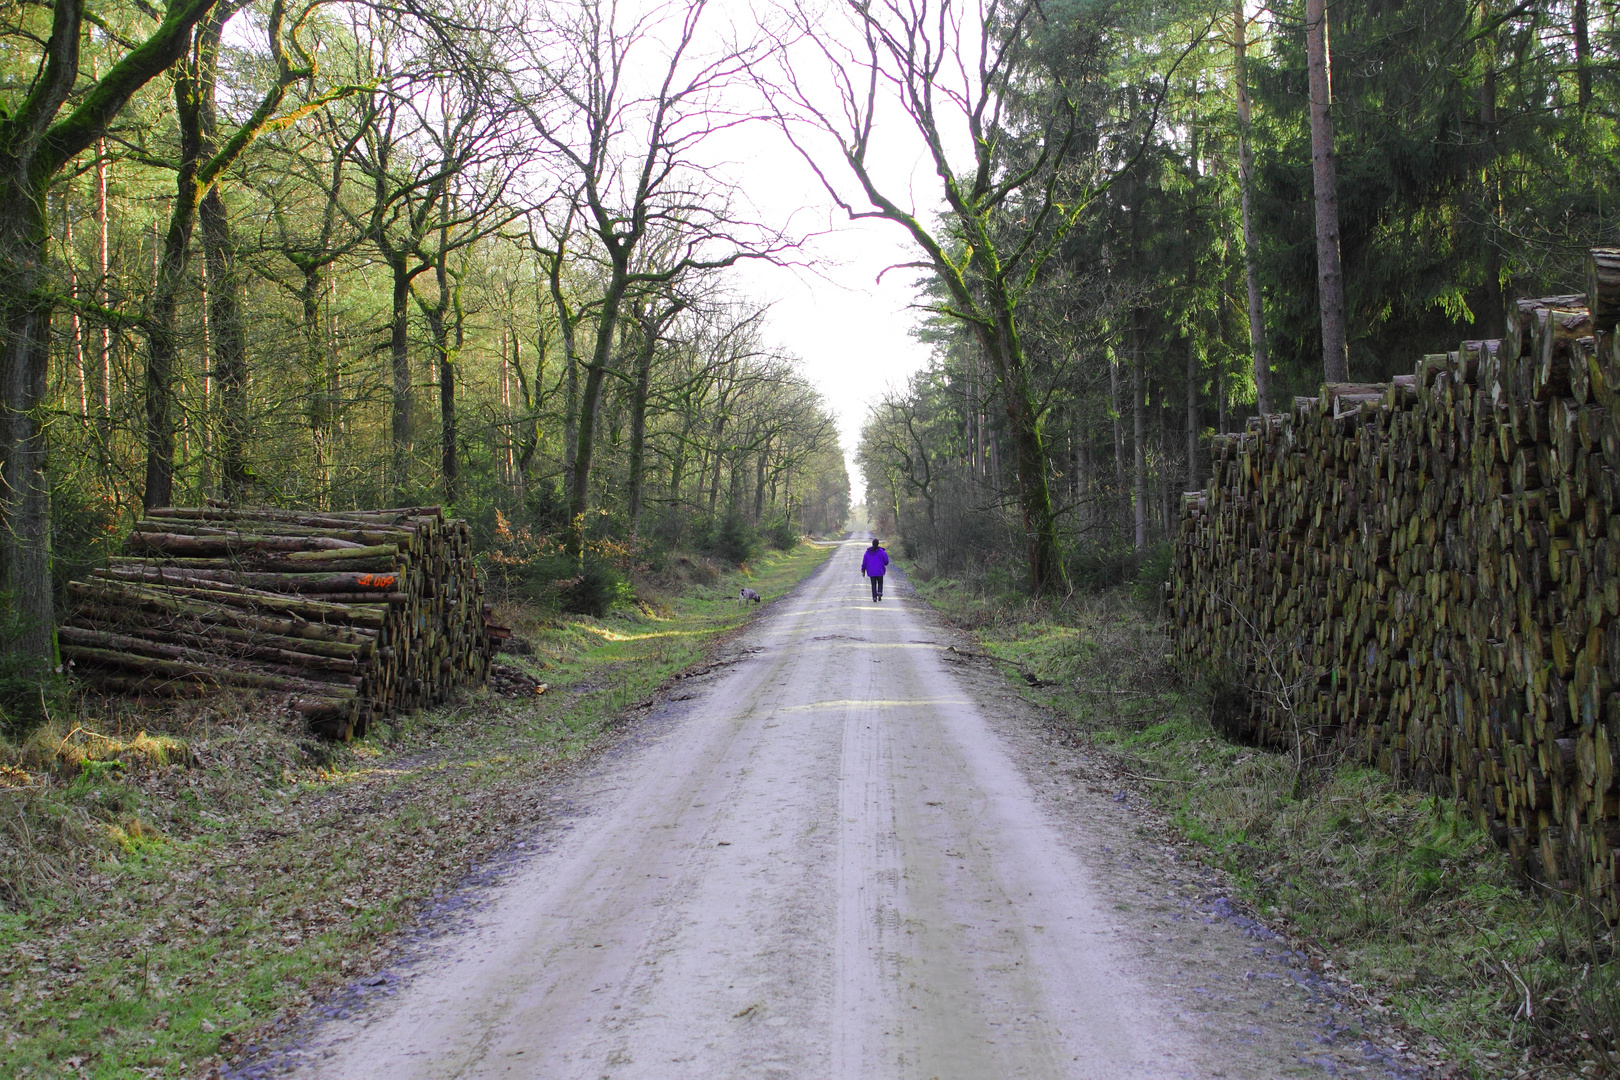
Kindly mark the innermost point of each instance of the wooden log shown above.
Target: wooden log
(298, 666)
(347, 582)
(386, 603)
(1433, 571)
(232, 542)
(1603, 287)
(222, 629)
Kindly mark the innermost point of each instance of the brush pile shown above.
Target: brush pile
(343, 617)
(1425, 575)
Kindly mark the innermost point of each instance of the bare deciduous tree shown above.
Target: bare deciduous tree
(1014, 176)
(622, 109)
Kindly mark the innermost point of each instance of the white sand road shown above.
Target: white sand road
(834, 861)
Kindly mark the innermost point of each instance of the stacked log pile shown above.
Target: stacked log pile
(344, 617)
(1425, 575)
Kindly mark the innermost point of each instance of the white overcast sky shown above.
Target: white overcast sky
(851, 330)
(848, 321)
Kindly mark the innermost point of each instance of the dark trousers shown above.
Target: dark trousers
(877, 587)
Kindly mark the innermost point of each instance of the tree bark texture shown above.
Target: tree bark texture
(399, 358)
(230, 343)
(1004, 348)
(1251, 272)
(25, 517)
(638, 424)
(651, 326)
(162, 341)
(1329, 274)
(1491, 323)
(1138, 438)
(590, 402)
(1192, 411)
(1583, 54)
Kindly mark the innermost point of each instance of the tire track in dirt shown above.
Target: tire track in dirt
(845, 856)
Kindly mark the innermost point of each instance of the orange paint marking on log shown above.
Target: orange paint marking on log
(378, 581)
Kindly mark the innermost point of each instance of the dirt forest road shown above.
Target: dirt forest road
(848, 855)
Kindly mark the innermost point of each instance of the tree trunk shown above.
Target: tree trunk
(1139, 435)
(1329, 274)
(1192, 413)
(590, 403)
(439, 315)
(677, 469)
(566, 326)
(162, 348)
(1583, 56)
(25, 514)
(1163, 474)
(715, 435)
(69, 258)
(638, 418)
(532, 401)
(1494, 322)
(1251, 271)
(230, 344)
(734, 492)
(759, 485)
(1006, 353)
(399, 356)
(104, 298)
(35, 143)
(449, 465)
(321, 378)
(1118, 414)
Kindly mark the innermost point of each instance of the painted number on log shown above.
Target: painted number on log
(378, 581)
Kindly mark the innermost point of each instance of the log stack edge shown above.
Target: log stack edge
(344, 617)
(1425, 575)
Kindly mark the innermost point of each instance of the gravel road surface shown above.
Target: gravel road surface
(849, 852)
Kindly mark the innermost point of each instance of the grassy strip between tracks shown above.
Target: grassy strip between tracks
(1407, 899)
(177, 896)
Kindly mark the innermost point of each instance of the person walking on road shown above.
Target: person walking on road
(874, 561)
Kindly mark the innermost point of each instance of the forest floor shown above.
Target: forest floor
(1419, 914)
(178, 886)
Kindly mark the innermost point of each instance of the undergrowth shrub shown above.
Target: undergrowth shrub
(782, 534)
(538, 567)
(86, 527)
(733, 540)
(1152, 571)
(1097, 567)
(593, 590)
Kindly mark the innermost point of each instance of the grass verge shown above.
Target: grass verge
(1408, 899)
(177, 887)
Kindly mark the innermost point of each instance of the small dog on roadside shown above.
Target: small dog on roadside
(746, 595)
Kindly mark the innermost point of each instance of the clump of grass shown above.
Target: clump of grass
(42, 841)
(82, 749)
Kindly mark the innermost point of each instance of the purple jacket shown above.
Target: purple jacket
(874, 562)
